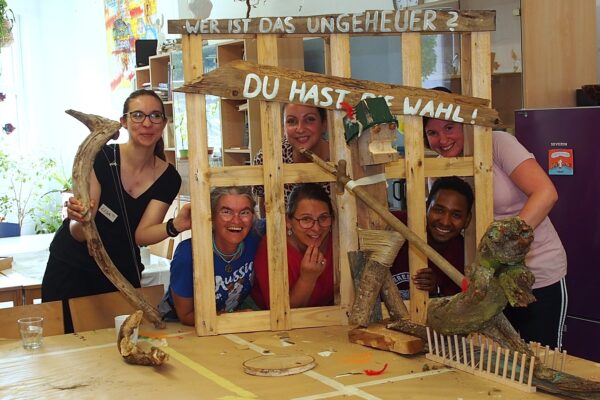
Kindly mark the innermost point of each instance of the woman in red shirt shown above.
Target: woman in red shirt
(309, 217)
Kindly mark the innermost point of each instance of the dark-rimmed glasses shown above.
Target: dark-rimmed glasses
(227, 214)
(307, 222)
(156, 117)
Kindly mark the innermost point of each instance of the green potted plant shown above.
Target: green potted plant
(7, 21)
(23, 179)
(65, 188)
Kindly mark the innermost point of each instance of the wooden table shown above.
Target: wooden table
(30, 256)
(88, 366)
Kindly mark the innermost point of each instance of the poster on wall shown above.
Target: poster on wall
(560, 162)
(126, 21)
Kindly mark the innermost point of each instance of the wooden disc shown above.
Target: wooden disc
(279, 365)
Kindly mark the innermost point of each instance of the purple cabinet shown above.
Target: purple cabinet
(564, 142)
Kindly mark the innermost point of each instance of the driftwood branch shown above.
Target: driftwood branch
(358, 260)
(382, 248)
(102, 130)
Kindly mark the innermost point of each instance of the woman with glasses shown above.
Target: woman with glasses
(304, 127)
(309, 218)
(131, 188)
(521, 188)
(234, 245)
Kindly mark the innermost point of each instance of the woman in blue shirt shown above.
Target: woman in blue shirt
(234, 245)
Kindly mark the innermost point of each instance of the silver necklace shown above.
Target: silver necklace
(229, 258)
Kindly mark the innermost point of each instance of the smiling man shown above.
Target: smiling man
(448, 213)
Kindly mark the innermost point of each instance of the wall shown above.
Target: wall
(59, 61)
(506, 40)
(559, 42)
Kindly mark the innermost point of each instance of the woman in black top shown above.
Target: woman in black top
(131, 188)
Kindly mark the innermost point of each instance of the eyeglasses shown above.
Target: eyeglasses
(307, 222)
(227, 215)
(156, 117)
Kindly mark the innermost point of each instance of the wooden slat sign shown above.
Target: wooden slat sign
(377, 21)
(246, 80)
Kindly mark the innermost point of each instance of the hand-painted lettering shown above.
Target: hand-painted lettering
(451, 24)
(251, 78)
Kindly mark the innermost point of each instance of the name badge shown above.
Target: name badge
(108, 213)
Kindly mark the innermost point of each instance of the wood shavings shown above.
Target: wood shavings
(325, 353)
(349, 373)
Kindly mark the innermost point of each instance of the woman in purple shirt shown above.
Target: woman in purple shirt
(521, 188)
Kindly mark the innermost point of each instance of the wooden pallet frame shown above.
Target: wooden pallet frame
(474, 28)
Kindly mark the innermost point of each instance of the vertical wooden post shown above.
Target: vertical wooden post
(204, 277)
(466, 79)
(476, 81)
(339, 65)
(415, 174)
(270, 128)
(482, 140)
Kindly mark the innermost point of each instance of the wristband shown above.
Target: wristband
(171, 231)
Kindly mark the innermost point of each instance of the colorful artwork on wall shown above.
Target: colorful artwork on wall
(126, 21)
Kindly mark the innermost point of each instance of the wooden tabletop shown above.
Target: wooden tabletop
(88, 365)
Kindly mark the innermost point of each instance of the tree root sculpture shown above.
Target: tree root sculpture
(498, 277)
(130, 351)
(102, 130)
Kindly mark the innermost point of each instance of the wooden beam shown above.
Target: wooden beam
(337, 49)
(270, 127)
(375, 22)
(415, 176)
(297, 173)
(247, 80)
(204, 276)
(482, 138)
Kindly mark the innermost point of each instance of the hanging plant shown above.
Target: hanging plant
(7, 21)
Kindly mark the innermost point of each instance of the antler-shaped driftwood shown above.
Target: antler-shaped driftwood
(102, 130)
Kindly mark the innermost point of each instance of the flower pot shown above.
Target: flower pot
(183, 154)
(9, 229)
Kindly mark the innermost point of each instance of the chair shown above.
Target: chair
(51, 311)
(31, 293)
(163, 249)
(98, 311)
